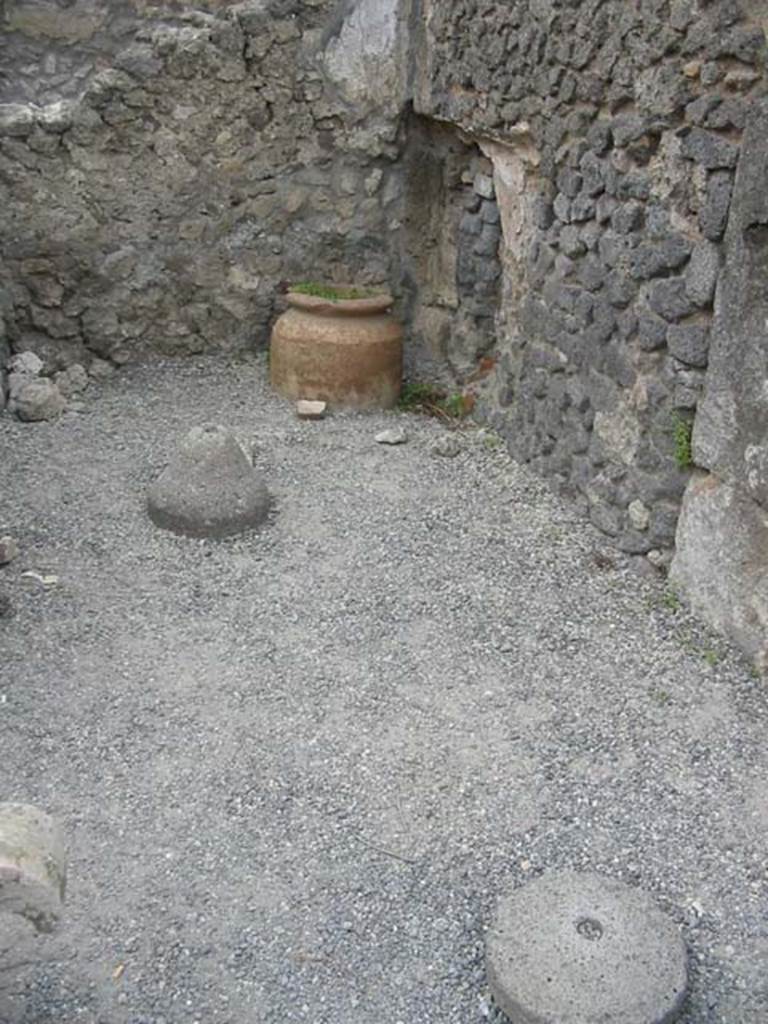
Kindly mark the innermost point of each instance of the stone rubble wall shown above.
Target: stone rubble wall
(614, 130)
(174, 163)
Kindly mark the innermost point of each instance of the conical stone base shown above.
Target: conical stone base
(209, 488)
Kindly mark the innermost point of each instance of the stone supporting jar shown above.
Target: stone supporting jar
(347, 352)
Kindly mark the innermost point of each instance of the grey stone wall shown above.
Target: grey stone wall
(164, 166)
(614, 130)
(721, 562)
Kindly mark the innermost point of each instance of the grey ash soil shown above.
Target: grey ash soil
(296, 767)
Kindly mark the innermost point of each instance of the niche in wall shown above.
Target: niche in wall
(451, 241)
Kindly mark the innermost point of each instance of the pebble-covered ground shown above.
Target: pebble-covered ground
(296, 767)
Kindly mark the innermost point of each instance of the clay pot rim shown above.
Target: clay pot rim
(368, 306)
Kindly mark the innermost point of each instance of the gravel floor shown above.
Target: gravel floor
(296, 767)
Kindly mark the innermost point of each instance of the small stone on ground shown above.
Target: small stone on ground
(307, 410)
(72, 381)
(39, 400)
(447, 447)
(395, 435)
(100, 369)
(9, 550)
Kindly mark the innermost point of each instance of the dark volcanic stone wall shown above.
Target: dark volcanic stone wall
(615, 129)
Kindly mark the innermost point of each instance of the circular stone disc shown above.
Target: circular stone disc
(581, 949)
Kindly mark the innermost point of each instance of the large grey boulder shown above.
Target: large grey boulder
(33, 866)
(721, 560)
(731, 431)
(33, 398)
(209, 488)
(33, 871)
(581, 949)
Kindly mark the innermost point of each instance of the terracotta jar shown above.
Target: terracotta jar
(347, 352)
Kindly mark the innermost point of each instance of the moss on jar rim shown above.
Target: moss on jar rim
(334, 293)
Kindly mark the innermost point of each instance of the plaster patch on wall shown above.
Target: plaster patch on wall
(512, 169)
(364, 60)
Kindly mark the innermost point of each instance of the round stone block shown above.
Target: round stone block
(33, 865)
(581, 949)
(209, 488)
